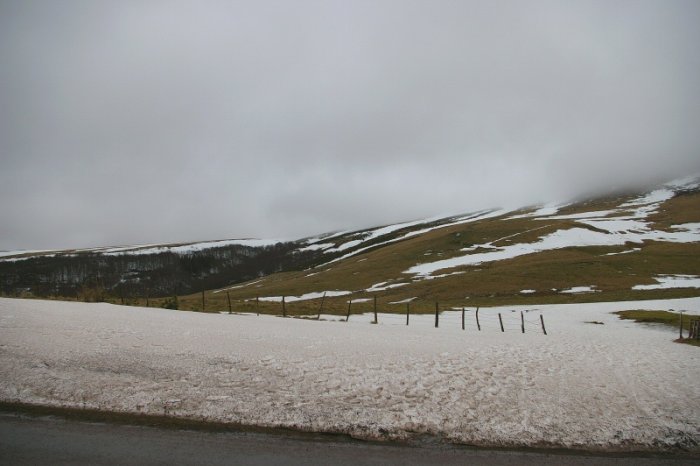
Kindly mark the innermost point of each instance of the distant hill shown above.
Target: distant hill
(625, 246)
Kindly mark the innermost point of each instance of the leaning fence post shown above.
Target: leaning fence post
(462, 318)
(349, 304)
(228, 296)
(522, 322)
(542, 321)
(436, 314)
(478, 325)
(320, 309)
(375, 311)
(284, 308)
(408, 311)
(500, 319)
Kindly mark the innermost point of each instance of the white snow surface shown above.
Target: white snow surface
(143, 249)
(20, 252)
(190, 248)
(543, 211)
(671, 281)
(616, 386)
(580, 289)
(305, 296)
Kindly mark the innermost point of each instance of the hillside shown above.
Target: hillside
(622, 247)
(631, 246)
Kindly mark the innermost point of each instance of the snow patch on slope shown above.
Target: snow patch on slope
(671, 281)
(607, 231)
(305, 296)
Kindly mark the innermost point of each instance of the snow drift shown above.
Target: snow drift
(618, 386)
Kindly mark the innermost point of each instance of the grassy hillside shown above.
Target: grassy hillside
(610, 270)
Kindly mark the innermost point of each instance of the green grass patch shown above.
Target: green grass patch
(670, 319)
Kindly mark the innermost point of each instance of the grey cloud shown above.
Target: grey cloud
(128, 122)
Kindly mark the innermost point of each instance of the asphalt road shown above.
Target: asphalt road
(28, 440)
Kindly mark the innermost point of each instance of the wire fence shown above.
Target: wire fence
(473, 319)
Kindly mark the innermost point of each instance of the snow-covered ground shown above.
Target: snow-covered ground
(619, 386)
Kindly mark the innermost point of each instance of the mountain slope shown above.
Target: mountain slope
(635, 246)
(626, 246)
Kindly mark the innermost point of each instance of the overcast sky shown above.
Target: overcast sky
(126, 122)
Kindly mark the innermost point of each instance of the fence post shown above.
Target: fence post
(202, 299)
(257, 305)
(147, 302)
(462, 318)
(284, 308)
(436, 314)
(681, 324)
(522, 322)
(228, 296)
(408, 311)
(320, 309)
(375, 311)
(500, 319)
(542, 321)
(478, 325)
(349, 304)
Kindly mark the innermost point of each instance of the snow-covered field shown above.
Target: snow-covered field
(616, 386)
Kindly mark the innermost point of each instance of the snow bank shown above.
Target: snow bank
(191, 247)
(671, 281)
(580, 289)
(305, 296)
(620, 385)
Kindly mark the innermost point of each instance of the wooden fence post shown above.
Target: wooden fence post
(375, 310)
(202, 299)
(500, 319)
(542, 321)
(320, 309)
(284, 308)
(478, 325)
(681, 324)
(462, 318)
(257, 305)
(147, 302)
(349, 304)
(436, 314)
(522, 322)
(228, 296)
(408, 311)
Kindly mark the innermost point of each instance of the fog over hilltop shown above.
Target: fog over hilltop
(142, 122)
